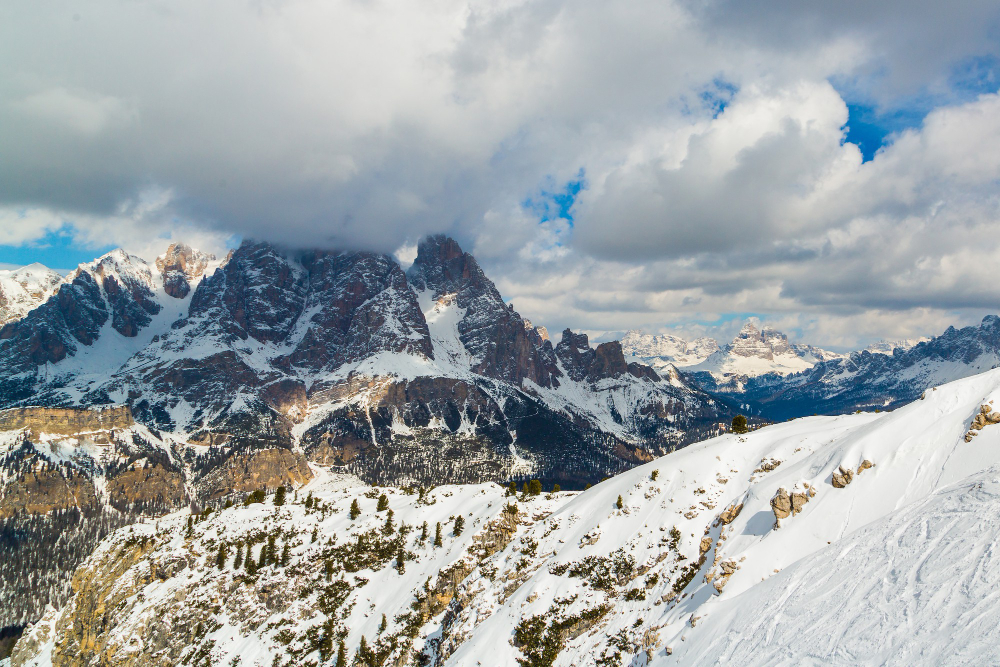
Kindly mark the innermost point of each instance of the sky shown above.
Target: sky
(671, 165)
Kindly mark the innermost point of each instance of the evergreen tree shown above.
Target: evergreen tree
(326, 643)
(364, 653)
(534, 487)
(437, 535)
(355, 510)
(512, 489)
(309, 501)
(329, 569)
(388, 527)
(401, 561)
(556, 488)
(279, 496)
(238, 562)
(619, 504)
(459, 525)
(272, 552)
(285, 555)
(341, 655)
(382, 625)
(220, 559)
(251, 565)
(315, 534)
(423, 532)
(190, 528)
(383, 503)
(740, 424)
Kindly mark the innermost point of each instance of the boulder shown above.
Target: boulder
(842, 477)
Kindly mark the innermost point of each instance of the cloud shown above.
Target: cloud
(711, 135)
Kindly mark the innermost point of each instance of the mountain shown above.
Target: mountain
(663, 349)
(425, 376)
(768, 548)
(234, 375)
(887, 346)
(724, 370)
(865, 380)
(23, 289)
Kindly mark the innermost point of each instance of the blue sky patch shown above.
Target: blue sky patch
(553, 203)
(57, 250)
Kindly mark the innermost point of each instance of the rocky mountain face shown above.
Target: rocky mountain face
(758, 549)
(181, 265)
(231, 376)
(346, 356)
(866, 380)
(23, 289)
(68, 476)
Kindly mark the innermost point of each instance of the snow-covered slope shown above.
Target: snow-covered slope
(679, 561)
(23, 289)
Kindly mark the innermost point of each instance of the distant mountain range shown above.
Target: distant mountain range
(760, 372)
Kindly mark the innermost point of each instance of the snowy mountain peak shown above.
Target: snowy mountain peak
(25, 288)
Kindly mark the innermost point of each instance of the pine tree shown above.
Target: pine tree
(285, 555)
(309, 501)
(355, 510)
(220, 559)
(534, 487)
(341, 655)
(383, 503)
(437, 535)
(459, 525)
(388, 528)
(423, 532)
(190, 528)
(556, 488)
(401, 561)
(315, 534)
(251, 565)
(279, 496)
(329, 570)
(512, 489)
(739, 424)
(382, 625)
(619, 504)
(364, 653)
(326, 643)
(238, 562)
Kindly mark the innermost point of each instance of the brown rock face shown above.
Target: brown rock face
(609, 361)
(865, 465)
(267, 468)
(66, 421)
(43, 491)
(180, 266)
(153, 486)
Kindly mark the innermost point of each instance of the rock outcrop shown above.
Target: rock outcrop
(181, 266)
(66, 421)
(785, 504)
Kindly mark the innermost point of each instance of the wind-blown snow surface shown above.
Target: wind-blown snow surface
(899, 567)
(891, 555)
